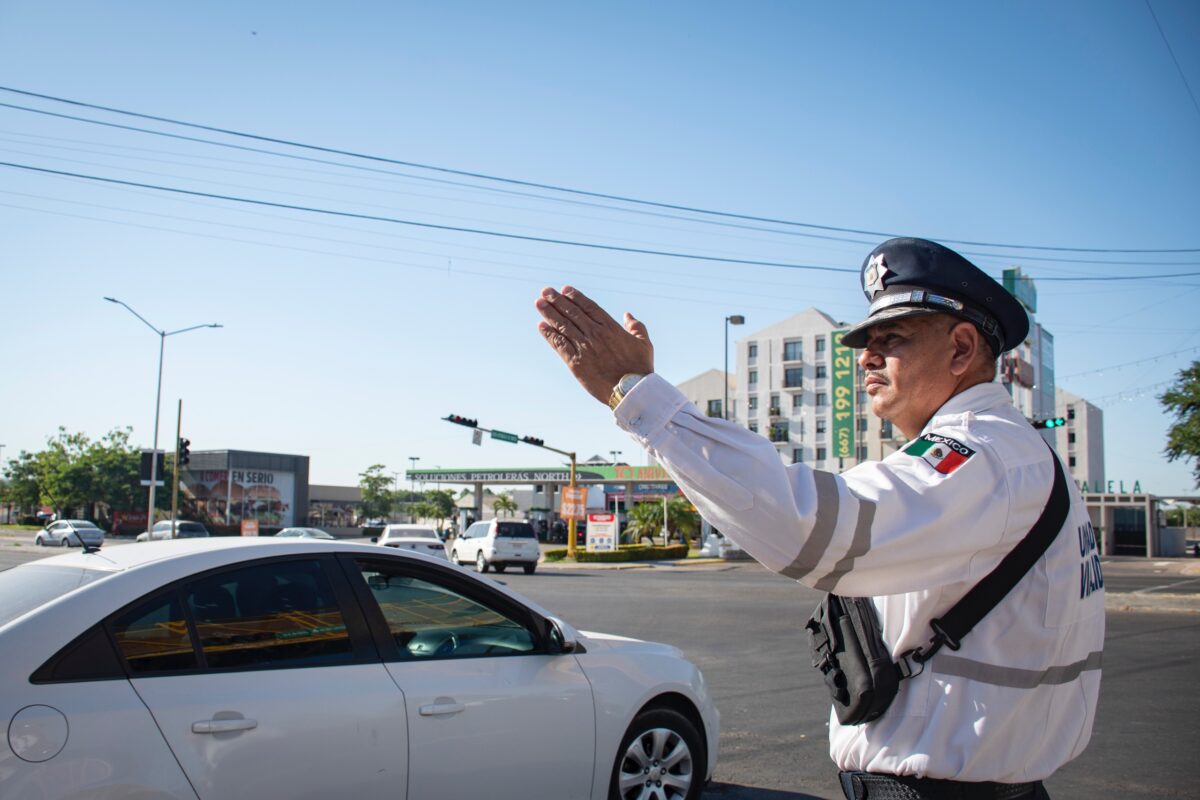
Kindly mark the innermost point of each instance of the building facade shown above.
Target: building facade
(801, 389)
(708, 390)
(1081, 440)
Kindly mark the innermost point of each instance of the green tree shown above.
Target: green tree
(115, 465)
(377, 498)
(22, 489)
(443, 502)
(1183, 400)
(505, 503)
(646, 519)
(65, 478)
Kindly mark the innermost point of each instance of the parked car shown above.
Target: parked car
(184, 529)
(69, 533)
(494, 543)
(250, 668)
(419, 538)
(304, 533)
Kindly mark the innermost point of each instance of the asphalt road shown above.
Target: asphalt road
(743, 627)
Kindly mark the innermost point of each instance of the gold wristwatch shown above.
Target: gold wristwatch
(623, 387)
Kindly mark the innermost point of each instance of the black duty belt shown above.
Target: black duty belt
(871, 786)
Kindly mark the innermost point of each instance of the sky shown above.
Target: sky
(1055, 125)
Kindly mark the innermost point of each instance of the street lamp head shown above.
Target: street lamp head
(112, 300)
(216, 325)
(736, 319)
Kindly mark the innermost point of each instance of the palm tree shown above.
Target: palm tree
(505, 503)
(646, 519)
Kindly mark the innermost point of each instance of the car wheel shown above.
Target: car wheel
(454, 557)
(660, 758)
(481, 563)
(499, 567)
(65, 542)
(529, 568)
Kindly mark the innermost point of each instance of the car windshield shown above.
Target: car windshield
(316, 534)
(23, 589)
(514, 530)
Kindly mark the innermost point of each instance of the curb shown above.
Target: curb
(688, 562)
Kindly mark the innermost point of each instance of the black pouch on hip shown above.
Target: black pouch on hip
(848, 648)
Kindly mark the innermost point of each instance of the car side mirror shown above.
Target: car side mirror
(560, 641)
(374, 538)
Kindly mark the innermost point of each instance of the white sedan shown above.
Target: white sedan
(418, 538)
(249, 668)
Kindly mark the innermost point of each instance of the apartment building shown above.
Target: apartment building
(1081, 441)
(708, 392)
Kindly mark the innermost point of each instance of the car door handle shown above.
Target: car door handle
(438, 709)
(223, 725)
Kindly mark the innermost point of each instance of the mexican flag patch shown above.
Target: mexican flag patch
(941, 452)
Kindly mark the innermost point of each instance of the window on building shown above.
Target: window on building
(752, 380)
(821, 371)
(820, 344)
(793, 350)
(820, 454)
(862, 424)
(797, 455)
(775, 407)
(779, 432)
(820, 424)
(797, 401)
(862, 452)
(821, 399)
(753, 404)
(1070, 412)
(714, 408)
(752, 350)
(885, 429)
(753, 427)
(1071, 462)
(793, 377)
(1071, 437)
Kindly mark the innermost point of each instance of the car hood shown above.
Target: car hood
(595, 641)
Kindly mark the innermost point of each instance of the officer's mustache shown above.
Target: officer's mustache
(879, 375)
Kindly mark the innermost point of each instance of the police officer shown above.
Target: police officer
(914, 531)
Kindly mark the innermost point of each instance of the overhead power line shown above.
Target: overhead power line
(1171, 51)
(431, 225)
(566, 189)
(1139, 362)
(504, 234)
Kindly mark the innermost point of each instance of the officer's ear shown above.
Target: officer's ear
(968, 348)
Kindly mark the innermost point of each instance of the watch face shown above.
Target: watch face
(628, 382)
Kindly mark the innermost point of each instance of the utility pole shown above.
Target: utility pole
(175, 482)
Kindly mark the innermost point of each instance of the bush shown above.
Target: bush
(626, 552)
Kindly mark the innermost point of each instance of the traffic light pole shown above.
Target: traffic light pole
(534, 442)
(175, 481)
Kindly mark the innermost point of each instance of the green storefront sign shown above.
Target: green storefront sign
(843, 397)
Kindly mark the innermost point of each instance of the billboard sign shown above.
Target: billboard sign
(145, 466)
(601, 533)
(574, 503)
(843, 397)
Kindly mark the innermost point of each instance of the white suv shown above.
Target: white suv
(497, 543)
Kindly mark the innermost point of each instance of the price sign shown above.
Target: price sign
(574, 503)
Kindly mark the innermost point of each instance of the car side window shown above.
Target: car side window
(276, 614)
(153, 636)
(430, 619)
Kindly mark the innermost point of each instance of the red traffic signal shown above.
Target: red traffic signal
(457, 420)
(533, 440)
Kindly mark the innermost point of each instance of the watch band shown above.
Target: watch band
(623, 387)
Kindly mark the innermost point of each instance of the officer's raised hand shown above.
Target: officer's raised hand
(593, 345)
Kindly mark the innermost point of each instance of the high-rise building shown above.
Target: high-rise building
(797, 386)
(1027, 371)
(1081, 440)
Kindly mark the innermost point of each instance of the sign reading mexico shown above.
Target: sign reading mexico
(574, 503)
(601, 533)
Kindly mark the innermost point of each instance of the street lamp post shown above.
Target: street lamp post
(162, 339)
(412, 481)
(733, 319)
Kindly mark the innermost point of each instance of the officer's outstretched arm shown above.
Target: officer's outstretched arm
(908, 523)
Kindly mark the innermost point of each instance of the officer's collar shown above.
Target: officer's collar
(980, 397)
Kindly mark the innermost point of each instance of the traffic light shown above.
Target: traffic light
(457, 420)
(1053, 422)
(185, 455)
(533, 440)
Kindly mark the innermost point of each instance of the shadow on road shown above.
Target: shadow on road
(729, 791)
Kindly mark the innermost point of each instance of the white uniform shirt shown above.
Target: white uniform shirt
(915, 532)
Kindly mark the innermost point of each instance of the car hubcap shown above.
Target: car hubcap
(657, 766)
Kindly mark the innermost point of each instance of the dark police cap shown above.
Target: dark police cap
(906, 277)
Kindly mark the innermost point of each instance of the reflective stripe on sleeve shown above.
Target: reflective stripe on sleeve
(818, 540)
(858, 546)
(1013, 677)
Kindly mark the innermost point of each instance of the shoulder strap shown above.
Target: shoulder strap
(951, 627)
